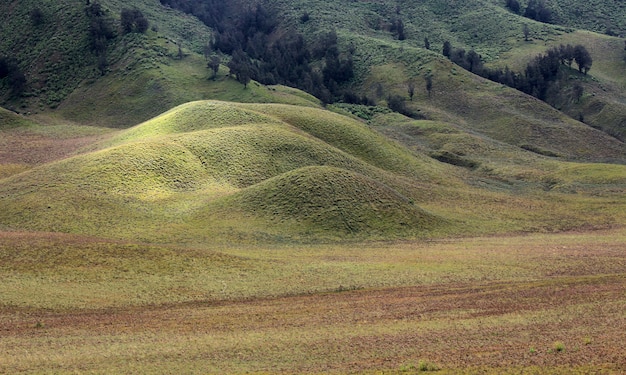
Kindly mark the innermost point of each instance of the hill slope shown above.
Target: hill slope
(201, 170)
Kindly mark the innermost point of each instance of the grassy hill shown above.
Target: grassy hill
(218, 171)
(154, 218)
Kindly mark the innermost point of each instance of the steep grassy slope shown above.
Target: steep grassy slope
(56, 53)
(385, 65)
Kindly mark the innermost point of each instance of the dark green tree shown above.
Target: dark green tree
(447, 49)
(513, 6)
(429, 83)
(583, 58)
(36, 16)
(132, 20)
(411, 89)
(526, 31)
(214, 64)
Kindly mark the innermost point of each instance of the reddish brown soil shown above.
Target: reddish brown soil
(34, 149)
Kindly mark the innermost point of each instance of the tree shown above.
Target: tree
(305, 17)
(566, 53)
(429, 83)
(526, 31)
(411, 89)
(214, 64)
(132, 20)
(9, 69)
(127, 20)
(513, 6)
(582, 58)
(447, 49)
(426, 43)
(102, 63)
(538, 11)
(241, 67)
(578, 92)
(397, 104)
(141, 24)
(398, 27)
(36, 16)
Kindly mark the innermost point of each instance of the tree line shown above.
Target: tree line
(102, 29)
(536, 10)
(543, 75)
(14, 76)
(250, 36)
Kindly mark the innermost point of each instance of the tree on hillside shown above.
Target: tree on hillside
(397, 27)
(582, 58)
(578, 92)
(10, 70)
(214, 64)
(429, 83)
(566, 53)
(100, 28)
(513, 6)
(241, 67)
(537, 10)
(411, 89)
(36, 16)
(526, 31)
(397, 104)
(447, 49)
(132, 20)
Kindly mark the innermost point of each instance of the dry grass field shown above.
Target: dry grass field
(531, 304)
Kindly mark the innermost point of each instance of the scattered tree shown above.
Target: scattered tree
(132, 20)
(538, 11)
(578, 92)
(543, 78)
(397, 27)
(526, 31)
(103, 64)
(214, 64)
(100, 28)
(280, 56)
(240, 66)
(447, 49)
(582, 58)
(10, 70)
(513, 6)
(397, 104)
(429, 83)
(411, 89)
(36, 16)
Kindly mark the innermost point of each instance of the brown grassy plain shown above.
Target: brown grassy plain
(533, 304)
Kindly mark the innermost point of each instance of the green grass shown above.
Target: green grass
(307, 175)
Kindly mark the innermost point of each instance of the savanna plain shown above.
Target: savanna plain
(541, 303)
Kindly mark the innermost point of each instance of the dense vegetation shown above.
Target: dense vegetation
(544, 77)
(264, 51)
